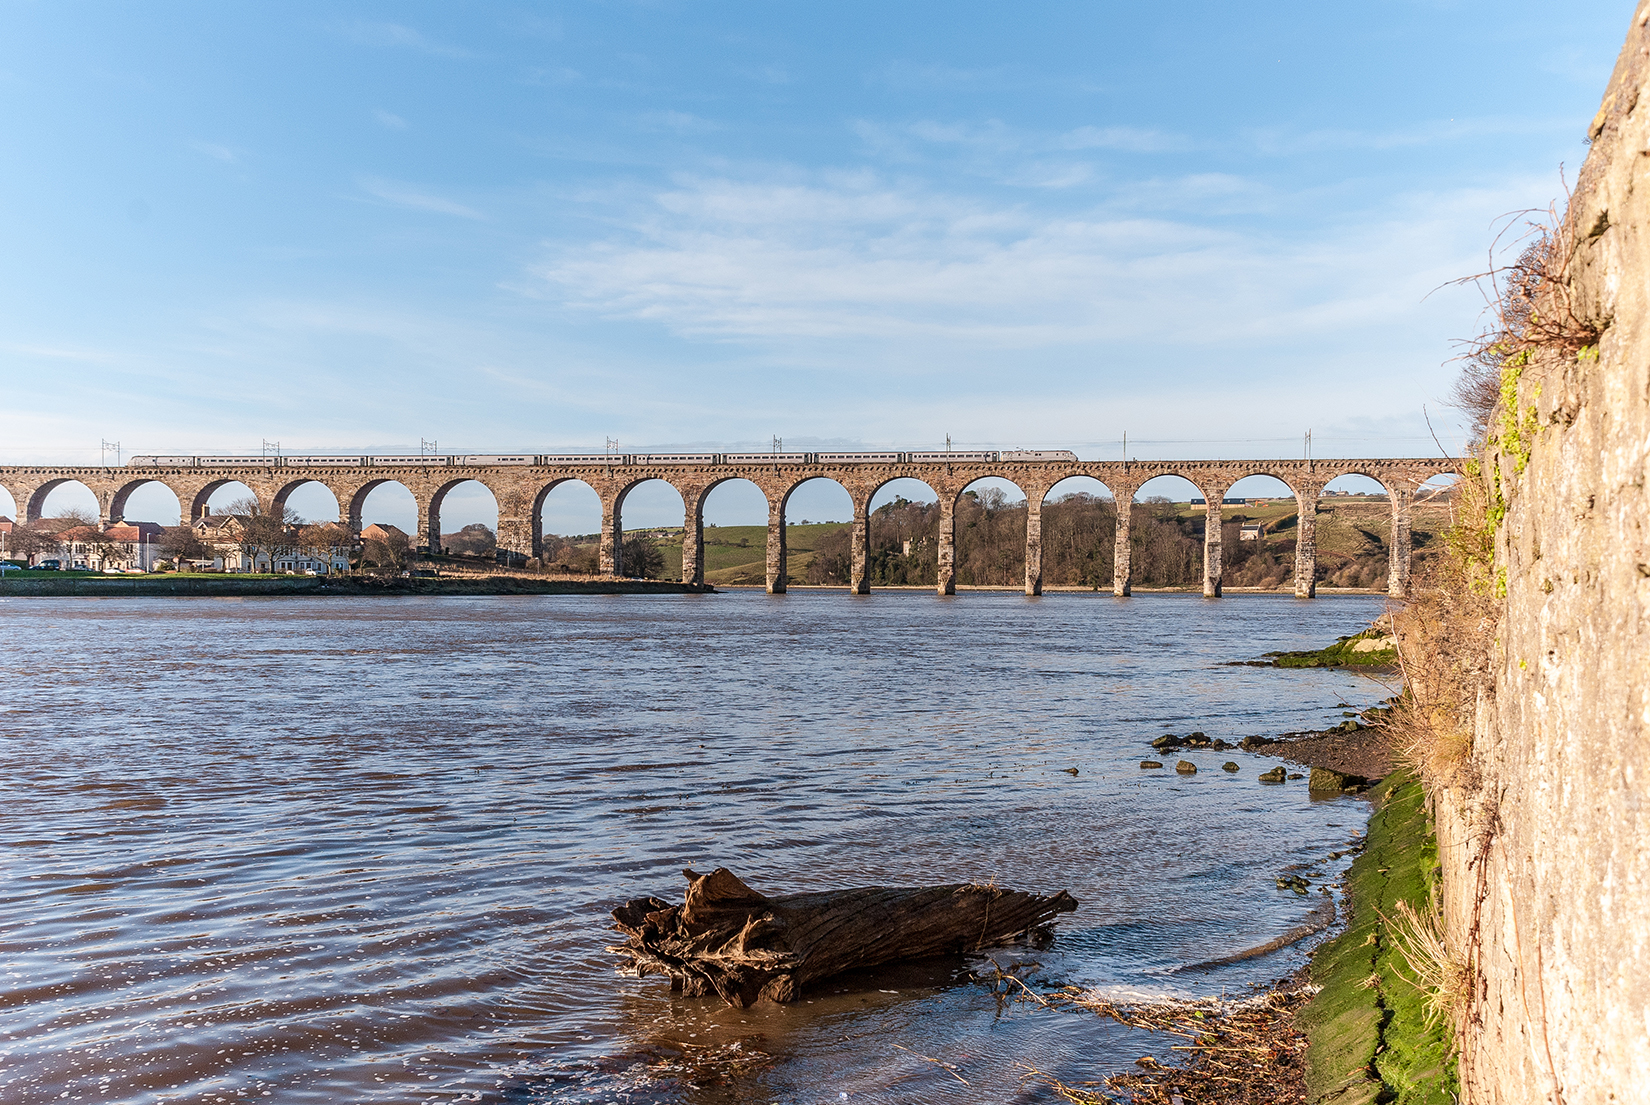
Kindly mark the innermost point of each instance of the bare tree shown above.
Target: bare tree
(388, 550)
(183, 543)
(641, 558)
(70, 519)
(264, 533)
(31, 540)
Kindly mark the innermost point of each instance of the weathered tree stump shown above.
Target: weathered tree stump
(746, 946)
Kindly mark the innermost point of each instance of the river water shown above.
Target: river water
(363, 849)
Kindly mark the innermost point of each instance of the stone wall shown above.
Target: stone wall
(1545, 842)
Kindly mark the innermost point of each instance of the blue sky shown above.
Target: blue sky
(347, 227)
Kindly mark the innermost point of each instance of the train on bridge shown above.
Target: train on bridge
(646, 459)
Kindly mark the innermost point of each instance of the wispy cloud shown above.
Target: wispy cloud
(389, 119)
(681, 122)
(403, 37)
(553, 75)
(1289, 140)
(856, 257)
(1126, 139)
(215, 151)
(910, 74)
(405, 195)
(767, 74)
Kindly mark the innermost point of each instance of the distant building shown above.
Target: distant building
(1252, 531)
(320, 549)
(117, 547)
(391, 535)
(315, 549)
(221, 533)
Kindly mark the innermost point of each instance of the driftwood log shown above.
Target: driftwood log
(744, 946)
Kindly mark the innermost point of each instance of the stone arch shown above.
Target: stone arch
(984, 554)
(694, 498)
(797, 484)
(1290, 480)
(542, 495)
(358, 501)
(1253, 554)
(1048, 492)
(1209, 487)
(612, 549)
(1400, 496)
(901, 554)
(15, 512)
(1199, 480)
(284, 491)
(201, 500)
(1074, 536)
(118, 501)
(35, 510)
(430, 530)
(1331, 472)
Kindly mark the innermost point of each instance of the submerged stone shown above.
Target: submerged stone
(1186, 767)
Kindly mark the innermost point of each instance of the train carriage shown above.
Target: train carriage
(766, 458)
(676, 458)
(948, 458)
(860, 458)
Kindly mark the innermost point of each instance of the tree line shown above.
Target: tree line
(1079, 550)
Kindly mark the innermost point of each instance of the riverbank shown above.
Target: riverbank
(229, 586)
(1356, 1025)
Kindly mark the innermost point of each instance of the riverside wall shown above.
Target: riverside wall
(1544, 839)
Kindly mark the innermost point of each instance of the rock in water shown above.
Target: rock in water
(744, 946)
(1186, 767)
(1276, 775)
(1323, 779)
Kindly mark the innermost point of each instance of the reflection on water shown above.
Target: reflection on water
(363, 850)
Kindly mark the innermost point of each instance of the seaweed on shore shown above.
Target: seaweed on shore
(1375, 647)
(1244, 1052)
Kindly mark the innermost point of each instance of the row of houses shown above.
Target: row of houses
(223, 544)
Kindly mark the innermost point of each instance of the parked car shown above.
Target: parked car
(7, 567)
(49, 566)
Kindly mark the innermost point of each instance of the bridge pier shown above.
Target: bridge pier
(427, 535)
(777, 574)
(28, 499)
(612, 543)
(515, 536)
(1211, 542)
(860, 549)
(1306, 542)
(1403, 500)
(1034, 542)
(515, 518)
(946, 584)
(693, 536)
(1122, 579)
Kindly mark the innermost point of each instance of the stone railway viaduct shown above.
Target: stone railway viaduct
(520, 491)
